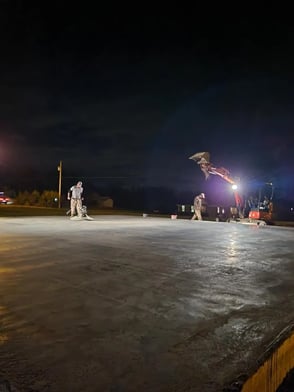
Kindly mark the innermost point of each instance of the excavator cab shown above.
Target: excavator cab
(263, 208)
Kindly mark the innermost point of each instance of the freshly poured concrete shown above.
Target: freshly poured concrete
(139, 304)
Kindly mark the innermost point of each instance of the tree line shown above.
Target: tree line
(47, 198)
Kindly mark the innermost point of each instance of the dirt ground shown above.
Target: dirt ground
(139, 304)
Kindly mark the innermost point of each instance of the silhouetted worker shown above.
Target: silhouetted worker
(198, 206)
(266, 203)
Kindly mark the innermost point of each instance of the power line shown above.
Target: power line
(95, 177)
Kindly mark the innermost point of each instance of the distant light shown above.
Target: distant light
(55, 199)
(234, 187)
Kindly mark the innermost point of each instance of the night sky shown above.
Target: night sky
(125, 97)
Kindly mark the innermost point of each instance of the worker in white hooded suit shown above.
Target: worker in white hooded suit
(198, 206)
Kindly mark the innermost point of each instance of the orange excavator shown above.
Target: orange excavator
(259, 213)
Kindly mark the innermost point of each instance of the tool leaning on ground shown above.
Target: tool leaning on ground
(84, 213)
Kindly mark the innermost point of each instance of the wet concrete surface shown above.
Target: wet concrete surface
(132, 304)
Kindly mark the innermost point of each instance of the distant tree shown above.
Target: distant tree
(92, 199)
(48, 198)
(23, 198)
(34, 198)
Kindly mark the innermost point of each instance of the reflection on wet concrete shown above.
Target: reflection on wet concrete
(139, 304)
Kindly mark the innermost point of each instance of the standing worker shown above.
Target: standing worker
(75, 196)
(197, 206)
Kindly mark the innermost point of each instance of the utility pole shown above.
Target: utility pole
(59, 168)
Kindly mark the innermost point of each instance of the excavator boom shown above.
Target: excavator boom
(203, 160)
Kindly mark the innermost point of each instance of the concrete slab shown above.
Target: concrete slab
(139, 304)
